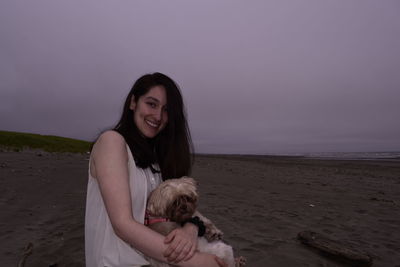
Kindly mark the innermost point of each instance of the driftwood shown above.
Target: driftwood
(335, 249)
(27, 251)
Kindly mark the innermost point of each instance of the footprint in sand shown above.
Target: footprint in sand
(327, 231)
(247, 249)
(258, 206)
(267, 246)
(392, 247)
(361, 211)
(239, 239)
(393, 222)
(328, 225)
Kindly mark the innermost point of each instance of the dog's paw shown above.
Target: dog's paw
(213, 233)
(240, 261)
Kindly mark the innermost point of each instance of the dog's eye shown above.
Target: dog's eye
(176, 202)
(186, 198)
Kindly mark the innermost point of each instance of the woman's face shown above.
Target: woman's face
(150, 111)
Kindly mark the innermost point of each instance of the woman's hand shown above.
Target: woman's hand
(182, 243)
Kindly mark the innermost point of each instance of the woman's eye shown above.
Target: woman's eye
(151, 104)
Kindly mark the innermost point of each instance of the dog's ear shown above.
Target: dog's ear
(190, 181)
(156, 202)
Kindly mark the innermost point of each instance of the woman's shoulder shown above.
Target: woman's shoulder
(109, 140)
(110, 146)
(110, 135)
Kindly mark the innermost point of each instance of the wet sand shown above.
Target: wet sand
(261, 204)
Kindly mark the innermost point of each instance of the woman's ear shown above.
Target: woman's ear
(132, 106)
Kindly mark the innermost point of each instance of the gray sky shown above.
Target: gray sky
(257, 76)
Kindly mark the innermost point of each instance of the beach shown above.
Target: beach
(260, 203)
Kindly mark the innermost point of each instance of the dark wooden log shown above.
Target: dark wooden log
(335, 249)
(27, 251)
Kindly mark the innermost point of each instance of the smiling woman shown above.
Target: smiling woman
(150, 143)
(150, 112)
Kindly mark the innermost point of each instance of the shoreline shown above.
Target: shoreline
(304, 156)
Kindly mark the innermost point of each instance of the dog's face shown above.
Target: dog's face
(175, 199)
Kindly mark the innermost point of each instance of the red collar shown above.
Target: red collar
(149, 219)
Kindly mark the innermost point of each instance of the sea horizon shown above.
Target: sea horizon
(382, 155)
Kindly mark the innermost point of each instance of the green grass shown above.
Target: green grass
(16, 141)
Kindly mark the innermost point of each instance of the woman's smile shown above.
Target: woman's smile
(152, 124)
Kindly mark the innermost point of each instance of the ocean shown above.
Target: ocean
(354, 155)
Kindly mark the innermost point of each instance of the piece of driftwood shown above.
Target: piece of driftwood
(27, 251)
(335, 249)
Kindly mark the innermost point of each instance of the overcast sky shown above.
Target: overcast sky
(269, 77)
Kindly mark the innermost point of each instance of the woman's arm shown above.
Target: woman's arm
(110, 157)
(110, 160)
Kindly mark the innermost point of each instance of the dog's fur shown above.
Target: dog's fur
(176, 199)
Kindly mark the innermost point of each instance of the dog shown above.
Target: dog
(174, 201)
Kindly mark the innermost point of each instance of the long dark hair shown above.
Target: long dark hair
(172, 148)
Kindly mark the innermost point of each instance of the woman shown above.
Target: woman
(150, 143)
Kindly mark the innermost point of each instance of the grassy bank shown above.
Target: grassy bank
(19, 141)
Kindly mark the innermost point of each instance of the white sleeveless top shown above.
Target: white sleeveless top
(102, 246)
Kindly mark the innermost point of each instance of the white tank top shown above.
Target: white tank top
(102, 246)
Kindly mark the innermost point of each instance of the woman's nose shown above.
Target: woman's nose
(158, 114)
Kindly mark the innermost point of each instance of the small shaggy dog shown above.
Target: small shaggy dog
(175, 201)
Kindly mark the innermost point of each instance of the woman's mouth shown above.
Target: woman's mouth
(152, 124)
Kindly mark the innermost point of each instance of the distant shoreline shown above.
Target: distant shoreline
(20, 141)
(390, 156)
(395, 158)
